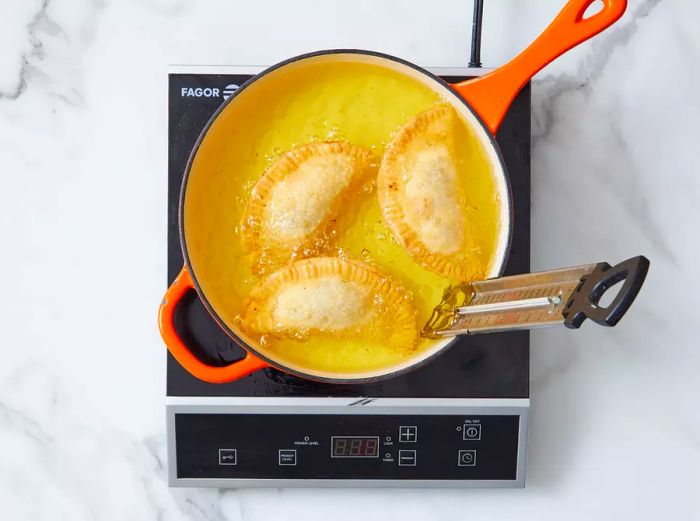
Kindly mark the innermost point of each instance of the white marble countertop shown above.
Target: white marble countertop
(616, 428)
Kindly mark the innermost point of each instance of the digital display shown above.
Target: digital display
(355, 446)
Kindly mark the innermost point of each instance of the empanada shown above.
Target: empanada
(295, 203)
(419, 193)
(328, 295)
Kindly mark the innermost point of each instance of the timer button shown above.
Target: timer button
(466, 458)
(228, 457)
(407, 458)
(471, 431)
(287, 457)
(408, 434)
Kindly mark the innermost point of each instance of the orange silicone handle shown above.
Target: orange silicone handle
(209, 373)
(491, 95)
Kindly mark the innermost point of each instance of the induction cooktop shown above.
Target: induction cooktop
(460, 420)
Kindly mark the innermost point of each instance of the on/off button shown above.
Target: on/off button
(471, 431)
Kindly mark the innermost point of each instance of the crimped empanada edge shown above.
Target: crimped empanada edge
(253, 240)
(391, 208)
(404, 313)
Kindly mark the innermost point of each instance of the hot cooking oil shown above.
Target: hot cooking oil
(364, 104)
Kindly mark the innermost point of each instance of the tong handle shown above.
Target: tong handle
(584, 301)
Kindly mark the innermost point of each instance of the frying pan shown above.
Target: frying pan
(482, 103)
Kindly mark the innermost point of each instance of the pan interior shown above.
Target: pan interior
(360, 98)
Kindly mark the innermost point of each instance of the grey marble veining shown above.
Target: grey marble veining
(615, 430)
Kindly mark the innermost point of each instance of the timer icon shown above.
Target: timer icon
(466, 458)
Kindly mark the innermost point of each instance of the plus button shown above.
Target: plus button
(408, 434)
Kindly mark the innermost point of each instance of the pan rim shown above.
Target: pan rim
(440, 348)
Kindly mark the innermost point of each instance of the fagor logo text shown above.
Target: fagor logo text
(200, 92)
(208, 92)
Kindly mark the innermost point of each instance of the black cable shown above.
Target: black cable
(475, 60)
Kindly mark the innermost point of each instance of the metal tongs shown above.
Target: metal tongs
(532, 300)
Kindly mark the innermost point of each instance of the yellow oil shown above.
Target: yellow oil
(359, 102)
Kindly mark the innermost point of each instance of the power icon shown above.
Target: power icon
(472, 432)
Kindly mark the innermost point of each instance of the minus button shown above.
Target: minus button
(407, 458)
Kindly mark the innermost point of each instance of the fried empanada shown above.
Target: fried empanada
(419, 193)
(295, 203)
(328, 295)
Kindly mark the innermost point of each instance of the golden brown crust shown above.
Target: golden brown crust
(431, 128)
(269, 250)
(387, 297)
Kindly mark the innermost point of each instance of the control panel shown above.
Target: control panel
(346, 446)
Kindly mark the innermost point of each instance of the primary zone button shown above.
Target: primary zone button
(288, 457)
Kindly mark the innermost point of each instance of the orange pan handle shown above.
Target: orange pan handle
(209, 373)
(491, 95)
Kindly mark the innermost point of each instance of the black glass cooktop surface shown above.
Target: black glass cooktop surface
(481, 366)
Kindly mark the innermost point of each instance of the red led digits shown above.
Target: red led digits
(355, 447)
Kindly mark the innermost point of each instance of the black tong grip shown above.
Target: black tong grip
(584, 301)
